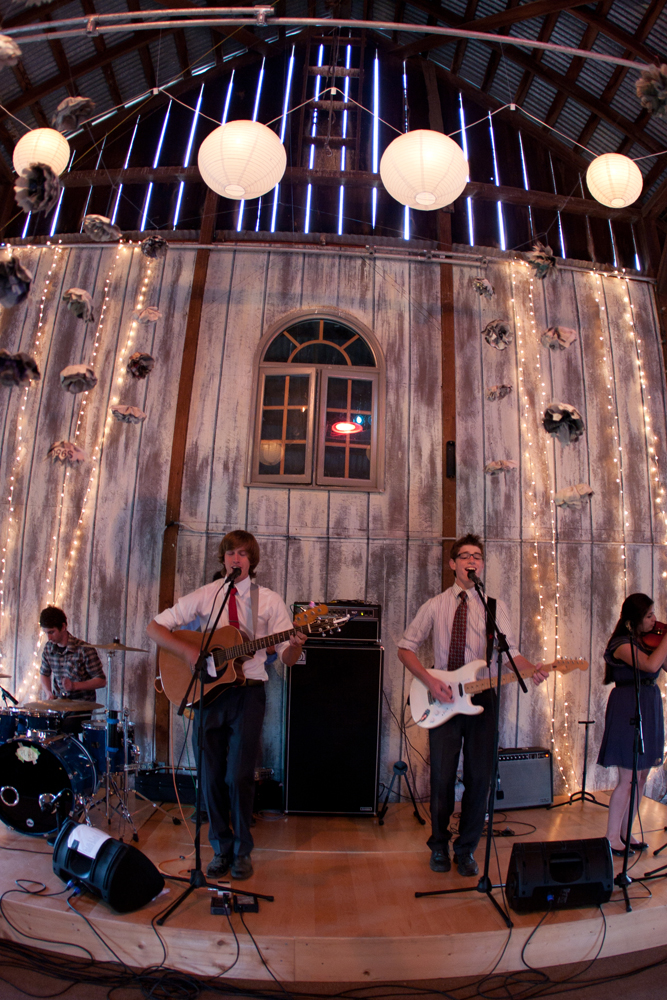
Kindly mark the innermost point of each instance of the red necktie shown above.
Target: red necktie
(457, 643)
(233, 613)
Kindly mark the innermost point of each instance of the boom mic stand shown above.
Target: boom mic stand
(197, 878)
(484, 884)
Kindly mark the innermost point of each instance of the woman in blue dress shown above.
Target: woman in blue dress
(637, 618)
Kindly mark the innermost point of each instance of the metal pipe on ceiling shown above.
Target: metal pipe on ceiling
(102, 24)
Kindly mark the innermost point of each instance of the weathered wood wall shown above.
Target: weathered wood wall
(325, 544)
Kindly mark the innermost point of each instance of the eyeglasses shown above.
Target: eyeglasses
(477, 556)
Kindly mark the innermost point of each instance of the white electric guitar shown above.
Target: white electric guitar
(428, 712)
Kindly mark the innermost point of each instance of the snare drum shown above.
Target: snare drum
(7, 724)
(30, 767)
(98, 737)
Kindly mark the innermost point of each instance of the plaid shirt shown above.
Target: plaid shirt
(76, 660)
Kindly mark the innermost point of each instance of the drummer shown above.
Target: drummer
(70, 668)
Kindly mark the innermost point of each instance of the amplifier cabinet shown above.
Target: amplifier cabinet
(333, 730)
(524, 778)
(365, 624)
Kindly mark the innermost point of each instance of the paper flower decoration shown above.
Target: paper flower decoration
(542, 260)
(128, 414)
(498, 392)
(149, 315)
(15, 281)
(559, 338)
(10, 53)
(78, 378)
(100, 229)
(71, 112)
(564, 422)
(483, 287)
(573, 496)
(80, 303)
(140, 364)
(500, 465)
(154, 247)
(652, 89)
(66, 452)
(17, 369)
(498, 334)
(37, 189)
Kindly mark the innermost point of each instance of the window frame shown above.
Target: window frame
(314, 478)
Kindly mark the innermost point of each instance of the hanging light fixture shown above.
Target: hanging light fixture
(614, 180)
(424, 169)
(42, 145)
(242, 160)
(270, 452)
(346, 427)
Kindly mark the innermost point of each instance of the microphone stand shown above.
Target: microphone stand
(484, 884)
(197, 878)
(6, 696)
(623, 880)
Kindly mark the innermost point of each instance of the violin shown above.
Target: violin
(652, 638)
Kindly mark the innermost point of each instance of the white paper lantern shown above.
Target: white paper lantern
(42, 145)
(242, 159)
(424, 169)
(614, 180)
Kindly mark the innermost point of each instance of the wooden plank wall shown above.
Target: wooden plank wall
(323, 544)
(581, 562)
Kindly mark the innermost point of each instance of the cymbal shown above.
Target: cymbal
(116, 647)
(63, 705)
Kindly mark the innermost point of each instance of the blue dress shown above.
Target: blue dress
(618, 738)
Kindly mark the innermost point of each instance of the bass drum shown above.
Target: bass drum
(33, 767)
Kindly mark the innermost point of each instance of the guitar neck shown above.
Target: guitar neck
(251, 646)
(474, 687)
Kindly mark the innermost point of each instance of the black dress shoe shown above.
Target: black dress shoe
(621, 854)
(219, 866)
(440, 861)
(241, 867)
(466, 864)
(641, 846)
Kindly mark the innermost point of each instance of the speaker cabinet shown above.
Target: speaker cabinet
(559, 874)
(333, 730)
(524, 778)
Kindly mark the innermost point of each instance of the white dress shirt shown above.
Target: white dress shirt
(272, 617)
(435, 618)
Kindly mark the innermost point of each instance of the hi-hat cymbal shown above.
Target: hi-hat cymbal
(116, 647)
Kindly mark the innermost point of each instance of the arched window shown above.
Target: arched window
(318, 407)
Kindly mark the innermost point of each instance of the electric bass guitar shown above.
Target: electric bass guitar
(428, 712)
(229, 648)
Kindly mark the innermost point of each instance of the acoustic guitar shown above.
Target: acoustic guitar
(229, 649)
(428, 712)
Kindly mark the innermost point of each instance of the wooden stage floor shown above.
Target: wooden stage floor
(344, 909)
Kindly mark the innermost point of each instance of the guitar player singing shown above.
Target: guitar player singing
(232, 722)
(455, 621)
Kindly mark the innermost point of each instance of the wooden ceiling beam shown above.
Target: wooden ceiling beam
(145, 56)
(632, 43)
(506, 18)
(182, 52)
(576, 66)
(356, 179)
(494, 58)
(24, 83)
(462, 44)
(544, 35)
(100, 48)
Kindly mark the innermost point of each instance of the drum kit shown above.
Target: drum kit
(55, 756)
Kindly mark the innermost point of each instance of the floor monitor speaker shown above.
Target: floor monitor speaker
(333, 728)
(560, 873)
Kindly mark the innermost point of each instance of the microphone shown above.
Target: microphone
(473, 576)
(233, 575)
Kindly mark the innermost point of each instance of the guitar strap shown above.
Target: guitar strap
(254, 605)
(490, 625)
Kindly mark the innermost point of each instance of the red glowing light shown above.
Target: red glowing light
(346, 427)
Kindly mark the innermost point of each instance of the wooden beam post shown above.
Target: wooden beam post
(178, 446)
(449, 394)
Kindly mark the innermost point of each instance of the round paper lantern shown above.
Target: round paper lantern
(614, 180)
(42, 145)
(242, 159)
(424, 169)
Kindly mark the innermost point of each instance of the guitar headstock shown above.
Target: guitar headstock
(566, 666)
(328, 623)
(310, 614)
